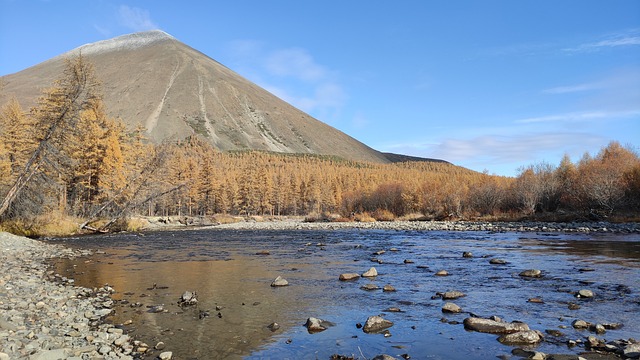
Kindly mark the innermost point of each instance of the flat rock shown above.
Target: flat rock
(497, 261)
(451, 295)
(527, 337)
(388, 288)
(279, 281)
(375, 324)
(450, 307)
(632, 351)
(372, 272)
(349, 276)
(580, 324)
(370, 287)
(493, 326)
(531, 273)
(585, 293)
(384, 357)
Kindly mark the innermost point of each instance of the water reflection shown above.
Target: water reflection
(225, 270)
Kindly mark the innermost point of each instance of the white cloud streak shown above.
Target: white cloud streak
(624, 39)
(135, 18)
(581, 116)
(572, 88)
(293, 75)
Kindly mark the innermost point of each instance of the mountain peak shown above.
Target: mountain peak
(123, 42)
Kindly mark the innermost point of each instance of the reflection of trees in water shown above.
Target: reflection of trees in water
(625, 250)
(241, 287)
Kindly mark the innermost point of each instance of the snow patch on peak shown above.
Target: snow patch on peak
(124, 42)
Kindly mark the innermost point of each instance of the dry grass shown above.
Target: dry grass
(52, 224)
(364, 217)
(226, 219)
(383, 215)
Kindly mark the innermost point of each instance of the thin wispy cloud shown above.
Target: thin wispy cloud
(136, 19)
(293, 75)
(623, 39)
(581, 116)
(572, 88)
(503, 151)
(296, 63)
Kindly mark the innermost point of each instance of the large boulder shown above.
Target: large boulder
(493, 327)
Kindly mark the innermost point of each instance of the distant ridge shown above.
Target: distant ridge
(395, 158)
(174, 91)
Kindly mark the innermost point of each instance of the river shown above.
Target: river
(232, 279)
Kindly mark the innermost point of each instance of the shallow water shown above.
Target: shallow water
(223, 267)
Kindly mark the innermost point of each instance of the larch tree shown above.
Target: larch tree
(56, 115)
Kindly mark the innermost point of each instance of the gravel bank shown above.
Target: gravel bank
(44, 317)
(576, 227)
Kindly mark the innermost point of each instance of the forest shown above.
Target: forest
(66, 160)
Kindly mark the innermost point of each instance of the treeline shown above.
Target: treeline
(256, 183)
(66, 156)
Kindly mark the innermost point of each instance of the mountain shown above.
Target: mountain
(174, 91)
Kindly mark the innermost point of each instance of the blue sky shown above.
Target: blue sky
(489, 85)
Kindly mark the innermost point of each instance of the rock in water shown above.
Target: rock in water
(496, 261)
(188, 298)
(314, 325)
(279, 281)
(584, 293)
(527, 337)
(467, 254)
(450, 295)
(375, 324)
(493, 327)
(348, 276)
(370, 287)
(442, 273)
(451, 308)
(388, 288)
(372, 272)
(531, 273)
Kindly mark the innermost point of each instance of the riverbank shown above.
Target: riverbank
(286, 223)
(43, 316)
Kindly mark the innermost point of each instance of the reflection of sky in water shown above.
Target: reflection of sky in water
(222, 266)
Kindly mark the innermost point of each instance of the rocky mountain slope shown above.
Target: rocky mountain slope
(152, 79)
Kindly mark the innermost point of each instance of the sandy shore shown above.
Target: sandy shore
(44, 316)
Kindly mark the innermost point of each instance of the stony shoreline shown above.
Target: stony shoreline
(574, 227)
(44, 316)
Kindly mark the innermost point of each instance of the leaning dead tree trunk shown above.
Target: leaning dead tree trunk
(57, 111)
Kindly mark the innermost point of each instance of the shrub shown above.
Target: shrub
(364, 217)
(383, 215)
